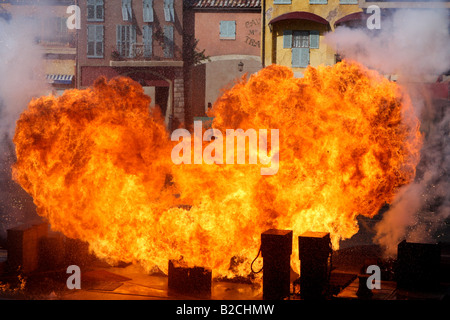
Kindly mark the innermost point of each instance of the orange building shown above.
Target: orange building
(228, 33)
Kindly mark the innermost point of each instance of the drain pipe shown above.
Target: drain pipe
(263, 34)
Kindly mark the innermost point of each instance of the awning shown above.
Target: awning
(300, 15)
(352, 17)
(60, 78)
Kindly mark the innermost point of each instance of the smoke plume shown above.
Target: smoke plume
(415, 46)
(21, 78)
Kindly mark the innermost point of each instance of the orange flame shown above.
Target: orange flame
(96, 162)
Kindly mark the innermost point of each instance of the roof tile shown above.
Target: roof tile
(226, 4)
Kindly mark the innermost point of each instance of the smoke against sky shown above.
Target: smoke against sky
(414, 45)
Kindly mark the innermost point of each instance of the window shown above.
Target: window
(319, 1)
(348, 1)
(95, 10)
(55, 31)
(95, 41)
(282, 2)
(227, 29)
(168, 41)
(127, 14)
(148, 10)
(126, 38)
(148, 41)
(300, 42)
(169, 13)
(300, 39)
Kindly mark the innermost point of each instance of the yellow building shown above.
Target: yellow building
(293, 30)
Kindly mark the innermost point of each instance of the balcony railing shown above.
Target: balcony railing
(138, 51)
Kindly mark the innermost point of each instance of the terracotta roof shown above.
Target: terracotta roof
(226, 4)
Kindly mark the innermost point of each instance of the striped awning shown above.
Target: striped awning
(60, 78)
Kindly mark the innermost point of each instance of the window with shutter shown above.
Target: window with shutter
(119, 40)
(168, 42)
(318, 1)
(99, 41)
(169, 12)
(348, 1)
(300, 39)
(95, 10)
(148, 41)
(287, 39)
(228, 30)
(300, 57)
(282, 2)
(148, 10)
(314, 39)
(125, 39)
(95, 41)
(127, 14)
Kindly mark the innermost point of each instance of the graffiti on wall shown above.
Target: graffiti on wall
(252, 37)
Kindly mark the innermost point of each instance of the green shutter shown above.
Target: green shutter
(99, 41)
(148, 43)
(314, 39)
(167, 10)
(127, 14)
(91, 40)
(119, 39)
(148, 10)
(132, 41)
(91, 32)
(318, 1)
(228, 29)
(172, 10)
(168, 41)
(287, 39)
(124, 11)
(232, 29)
(300, 57)
(223, 29)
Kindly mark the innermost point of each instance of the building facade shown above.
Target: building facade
(228, 33)
(293, 30)
(141, 39)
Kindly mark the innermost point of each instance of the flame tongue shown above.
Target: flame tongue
(96, 163)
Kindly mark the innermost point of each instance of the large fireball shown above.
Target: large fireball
(98, 165)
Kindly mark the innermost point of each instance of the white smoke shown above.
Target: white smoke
(22, 77)
(411, 43)
(414, 45)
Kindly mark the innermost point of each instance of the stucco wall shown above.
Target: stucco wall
(332, 11)
(222, 73)
(248, 33)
